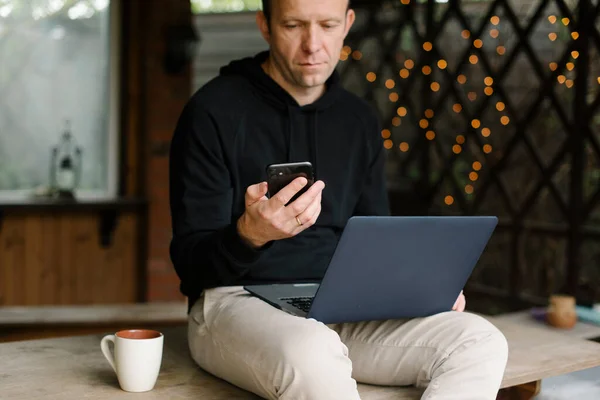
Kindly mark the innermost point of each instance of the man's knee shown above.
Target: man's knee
(478, 335)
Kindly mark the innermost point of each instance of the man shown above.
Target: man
(281, 106)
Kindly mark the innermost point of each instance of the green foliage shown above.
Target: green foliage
(224, 6)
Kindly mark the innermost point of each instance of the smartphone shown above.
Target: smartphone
(281, 175)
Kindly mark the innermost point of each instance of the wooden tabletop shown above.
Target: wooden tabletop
(74, 367)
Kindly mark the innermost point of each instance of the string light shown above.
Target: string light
(465, 34)
(495, 33)
(561, 79)
(347, 50)
(435, 86)
(442, 64)
(404, 73)
(426, 70)
(402, 111)
(430, 135)
(487, 148)
(553, 66)
(457, 108)
(504, 120)
(394, 97)
(489, 81)
(423, 124)
(570, 66)
(456, 149)
(565, 21)
(396, 121)
(404, 147)
(575, 54)
(429, 113)
(371, 77)
(449, 200)
(357, 55)
(500, 106)
(473, 59)
(552, 19)
(478, 43)
(569, 83)
(462, 79)
(495, 20)
(469, 189)
(501, 50)
(599, 80)
(343, 56)
(473, 176)
(405, 2)
(575, 35)
(409, 64)
(477, 166)
(460, 139)
(388, 144)
(486, 132)
(552, 36)
(488, 91)
(472, 96)
(427, 46)
(476, 123)
(386, 133)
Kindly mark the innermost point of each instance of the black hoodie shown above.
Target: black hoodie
(230, 130)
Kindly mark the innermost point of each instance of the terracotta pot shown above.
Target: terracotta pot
(561, 312)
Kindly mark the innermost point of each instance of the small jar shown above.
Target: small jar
(561, 312)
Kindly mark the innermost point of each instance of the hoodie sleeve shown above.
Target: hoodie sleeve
(206, 249)
(373, 199)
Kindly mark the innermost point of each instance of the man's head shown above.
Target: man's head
(305, 38)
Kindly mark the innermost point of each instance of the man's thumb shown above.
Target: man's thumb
(256, 192)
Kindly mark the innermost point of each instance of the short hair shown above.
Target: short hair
(266, 8)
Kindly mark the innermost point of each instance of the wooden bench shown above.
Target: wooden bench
(74, 368)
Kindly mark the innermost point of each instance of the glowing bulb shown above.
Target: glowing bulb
(495, 20)
(460, 139)
(552, 19)
(394, 97)
(388, 144)
(489, 81)
(409, 64)
(501, 50)
(486, 132)
(435, 86)
(553, 66)
(487, 149)
(504, 120)
(575, 35)
(404, 147)
(456, 149)
(477, 166)
(552, 36)
(494, 33)
(469, 189)
(426, 70)
(423, 124)
(565, 21)
(500, 106)
(430, 135)
(427, 46)
(478, 43)
(461, 79)
(390, 84)
(575, 54)
(458, 108)
(473, 59)
(396, 121)
(442, 64)
(402, 111)
(404, 73)
(371, 77)
(569, 83)
(449, 200)
(476, 123)
(561, 79)
(386, 133)
(429, 113)
(465, 34)
(473, 176)
(357, 55)
(472, 96)
(488, 91)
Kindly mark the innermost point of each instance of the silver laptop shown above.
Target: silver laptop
(389, 268)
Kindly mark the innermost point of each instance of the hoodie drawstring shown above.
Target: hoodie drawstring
(313, 143)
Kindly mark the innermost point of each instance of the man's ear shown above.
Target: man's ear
(350, 18)
(263, 26)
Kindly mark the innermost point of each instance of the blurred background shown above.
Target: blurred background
(488, 107)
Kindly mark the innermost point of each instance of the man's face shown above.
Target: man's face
(306, 37)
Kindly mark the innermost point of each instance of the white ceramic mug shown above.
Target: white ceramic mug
(137, 357)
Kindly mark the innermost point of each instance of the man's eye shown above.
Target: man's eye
(291, 26)
(329, 26)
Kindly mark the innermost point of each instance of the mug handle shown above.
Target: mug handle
(106, 350)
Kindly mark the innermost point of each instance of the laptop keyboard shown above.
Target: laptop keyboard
(302, 303)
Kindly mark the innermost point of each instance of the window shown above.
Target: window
(59, 69)
(222, 6)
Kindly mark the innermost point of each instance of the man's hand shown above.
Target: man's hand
(269, 219)
(460, 303)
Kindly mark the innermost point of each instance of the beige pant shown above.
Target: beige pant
(257, 347)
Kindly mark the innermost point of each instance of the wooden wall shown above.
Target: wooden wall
(57, 258)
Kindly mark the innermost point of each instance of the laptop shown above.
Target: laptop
(389, 268)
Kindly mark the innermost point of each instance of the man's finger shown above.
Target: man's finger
(304, 201)
(285, 195)
(256, 192)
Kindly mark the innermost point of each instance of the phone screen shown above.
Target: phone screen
(281, 175)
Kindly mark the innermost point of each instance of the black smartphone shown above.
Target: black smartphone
(281, 175)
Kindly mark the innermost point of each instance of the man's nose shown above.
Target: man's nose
(312, 40)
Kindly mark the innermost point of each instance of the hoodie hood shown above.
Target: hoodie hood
(268, 90)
